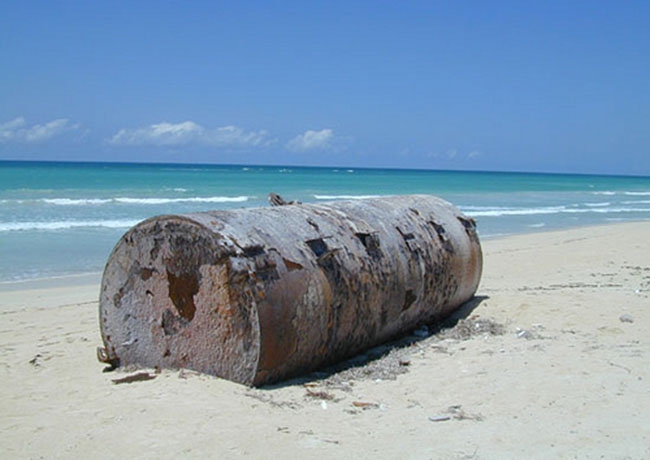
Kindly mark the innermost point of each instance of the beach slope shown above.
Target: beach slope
(549, 360)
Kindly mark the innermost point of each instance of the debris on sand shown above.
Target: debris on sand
(387, 361)
(626, 318)
(455, 412)
(139, 377)
(473, 326)
(319, 394)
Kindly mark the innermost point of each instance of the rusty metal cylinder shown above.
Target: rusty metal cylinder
(260, 295)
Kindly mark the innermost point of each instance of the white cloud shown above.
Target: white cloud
(189, 132)
(232, 135)
(8, 129)
(311, 140)
(159, 134)
(17, 130)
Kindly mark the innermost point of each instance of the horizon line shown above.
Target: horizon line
(364, 168)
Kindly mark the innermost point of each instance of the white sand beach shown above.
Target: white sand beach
(553, 362)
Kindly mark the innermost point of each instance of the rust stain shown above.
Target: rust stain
(182, 289)
(172, 323)
(117, 298)
(278, 336)
(147, 273)
(470, 228)
(442, 234)
(285, 291)
(291, 265)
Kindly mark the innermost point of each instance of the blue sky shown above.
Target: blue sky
(553, 86)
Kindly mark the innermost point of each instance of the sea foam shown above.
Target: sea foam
(501, 211)
(65, 224)
(345, 197)
(142, 201)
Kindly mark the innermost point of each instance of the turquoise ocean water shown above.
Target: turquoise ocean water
(59, 219)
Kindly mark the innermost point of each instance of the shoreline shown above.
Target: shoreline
(81, 279)
(560, 372)
(84, 279)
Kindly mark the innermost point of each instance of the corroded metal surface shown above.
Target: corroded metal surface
(259, 295)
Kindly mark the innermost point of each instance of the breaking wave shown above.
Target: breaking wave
(477, 211)
(142, 201)
(345, 197)
(628, 193)
(66, 224)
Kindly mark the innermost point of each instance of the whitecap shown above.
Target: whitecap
(636, 202)
(498, 212)
(65, 224)
(75, 201)
(595, 205)
(154, 201)
(146, 201)
(637, 193)
(345, 197)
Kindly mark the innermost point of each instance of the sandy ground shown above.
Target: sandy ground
(552, 362)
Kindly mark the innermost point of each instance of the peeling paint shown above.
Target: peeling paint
(260, 295)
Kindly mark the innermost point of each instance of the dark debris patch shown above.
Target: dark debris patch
(392, 359)
(139, 377)
(470, 327)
